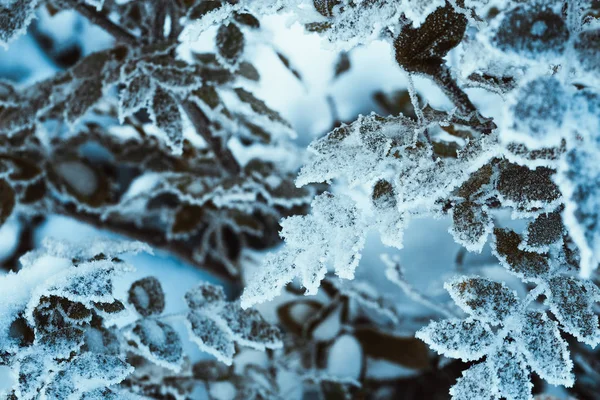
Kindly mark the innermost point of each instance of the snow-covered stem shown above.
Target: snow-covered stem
(395, 274)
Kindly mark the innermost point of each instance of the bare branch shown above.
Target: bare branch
(102, 21)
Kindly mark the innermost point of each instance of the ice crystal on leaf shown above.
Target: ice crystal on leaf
(527, 265)
(524, 340)
(332, 233)
(465, 339)
(476, 383)
(544, 348)
(472, 225)
(59, 289)
(485, 300)
(571, 301)
(512, 373)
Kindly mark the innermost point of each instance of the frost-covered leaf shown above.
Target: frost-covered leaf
(79, 179)
(545, 350)
(468, 340)
(89, 282)
(137, 94)
(114, 307)
(288, 64)
(532, 30)
(422, 49)
(83, 96)
(201, 8)
(250, 329)
(355, 151)
(167, 117)
(15, 16)
(249, 71)
(216, 324)
(205, 296)
(511, 372)
(210, 370)
(333, 232)
(348, 24)
(62, 342)
(525, 264)
(476, 184)
(486, 300)
(212, 336)
(476, 383)
(325, 7)
(176, 75)
(55, 291)
(572, 300)
(472, 225)
(86, 373)
(230, 42)
(32, 375)
(158, 342)
(103, 340)
(342, 65)
(247, 19)
(547, 229)
(527, 189)
(585, 114)
(147, 296)
(96, 249)
(106, 394)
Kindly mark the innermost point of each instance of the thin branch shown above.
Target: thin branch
(335, 115)
(413, 97)
(444, 79)
(25, 242)
(201, 124)
(102, 21)
(395, 274)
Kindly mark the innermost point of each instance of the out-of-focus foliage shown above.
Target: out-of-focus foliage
(59, 335)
